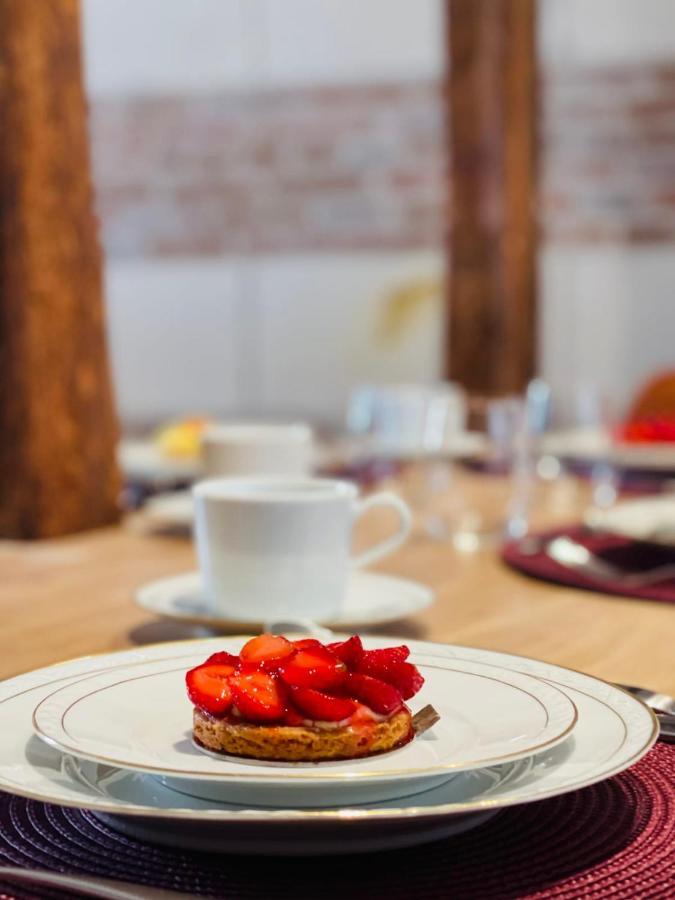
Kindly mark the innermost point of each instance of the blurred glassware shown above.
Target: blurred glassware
(417, 427)
(406, 421)
(486, 496)
(575, 438)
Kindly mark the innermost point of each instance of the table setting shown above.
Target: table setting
(529, 778)
(84, 782)
(337, 472)
(500, 762)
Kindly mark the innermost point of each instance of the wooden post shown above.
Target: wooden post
(492, 243)
(57, 425)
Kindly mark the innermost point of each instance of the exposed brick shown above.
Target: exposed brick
(608, 154)
(363, 167)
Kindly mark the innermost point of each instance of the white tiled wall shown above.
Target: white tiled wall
(291, 334)
(608, 317)
(276, 335)
(169, 46)
(600, 32)
(322, 329)
(608, 312)
(174, 337)
(280, 336)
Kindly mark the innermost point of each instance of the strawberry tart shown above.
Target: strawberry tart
(303, 701)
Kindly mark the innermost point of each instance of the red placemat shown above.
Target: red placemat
(612, 840)
(632, 556)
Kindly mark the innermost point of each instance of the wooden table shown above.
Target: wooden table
(74, 596)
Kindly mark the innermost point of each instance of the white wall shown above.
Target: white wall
(608, 312)
(608, 316)
(168, 46)
(271, 334)
(282, 336)
(601, 32)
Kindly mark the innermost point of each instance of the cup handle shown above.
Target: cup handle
(388, 545)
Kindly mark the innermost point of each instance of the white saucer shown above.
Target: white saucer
(371, 599)
(138, 717)
(173, 509)
(143, 461)
(614, 731)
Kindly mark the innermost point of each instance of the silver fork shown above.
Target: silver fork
(573, 555)
(87, 885)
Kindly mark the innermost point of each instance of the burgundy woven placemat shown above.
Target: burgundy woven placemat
(612, 840)
(632, 556)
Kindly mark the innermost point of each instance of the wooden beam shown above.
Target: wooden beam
(58, 428)
(491, 95)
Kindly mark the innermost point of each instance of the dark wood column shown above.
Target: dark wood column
(491, 96)
(57, 426)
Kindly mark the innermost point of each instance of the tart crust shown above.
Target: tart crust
(301, 743)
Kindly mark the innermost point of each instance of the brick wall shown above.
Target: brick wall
(362, 167)
(608, 154)
(293, 170)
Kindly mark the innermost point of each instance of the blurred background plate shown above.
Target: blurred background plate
(651, 519)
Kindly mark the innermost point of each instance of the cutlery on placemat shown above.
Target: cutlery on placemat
(662, 704)
(87, 885)
(573, 555)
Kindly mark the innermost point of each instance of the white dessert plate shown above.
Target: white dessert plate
(138, 717)
(614, 731)
(647, 519)
(371, 599)
(590, 444)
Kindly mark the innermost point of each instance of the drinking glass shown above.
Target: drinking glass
(413, 427)
(405, 421)
(488, 493)
(575, 438)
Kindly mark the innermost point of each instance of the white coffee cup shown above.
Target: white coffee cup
(276, 547)
(257, 449)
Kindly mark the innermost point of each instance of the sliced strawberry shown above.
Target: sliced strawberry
(390, 665)
(378, 695)
(224, 658)
(267, 650)
(208, 687)
(307, 644)
(257, 696)
(349, 651)
(315, 668)
(406, 677)
(292, 716)
(322, 707)
(380, 659)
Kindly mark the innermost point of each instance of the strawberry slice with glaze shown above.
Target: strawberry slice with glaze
(223, 658)
(315, 667)
(208, 687)
(390, 665)
(292, 716)
(349, 651)
(307, 644)
(322, 707)
(266, 650)
(378, 695)
(257, 696)
(381, 659)
(406, 677)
